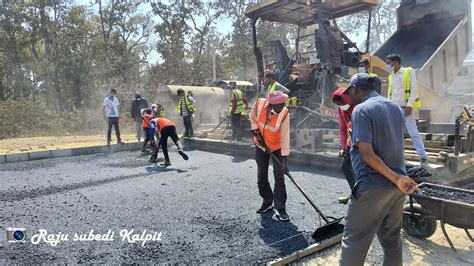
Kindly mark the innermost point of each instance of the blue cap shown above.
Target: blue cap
(361, 80)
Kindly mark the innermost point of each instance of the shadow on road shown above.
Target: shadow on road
(160, 169)
(284, 237)
(239, 159)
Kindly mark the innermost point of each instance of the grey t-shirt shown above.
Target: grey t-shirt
(380, 122)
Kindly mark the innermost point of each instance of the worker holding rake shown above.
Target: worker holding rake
(163, 129)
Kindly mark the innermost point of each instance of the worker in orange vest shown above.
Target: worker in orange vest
(147, 115)
(164, 128)
(271, 125)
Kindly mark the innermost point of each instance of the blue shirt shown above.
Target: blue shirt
(380, 122)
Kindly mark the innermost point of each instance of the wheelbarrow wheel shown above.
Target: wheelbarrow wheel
(419, 226)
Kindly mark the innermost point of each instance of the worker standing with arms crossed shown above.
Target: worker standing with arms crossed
(403, 89)
(377, 153)
(237, 104)
(270, 122)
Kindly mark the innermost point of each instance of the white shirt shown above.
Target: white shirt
(398, 91)
(111, 106)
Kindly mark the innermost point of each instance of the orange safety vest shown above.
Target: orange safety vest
(146, 119)
(269, 125)
(162, 123)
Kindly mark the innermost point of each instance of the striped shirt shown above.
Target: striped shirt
(184, 108)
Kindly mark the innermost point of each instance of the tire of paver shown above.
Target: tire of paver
(418, 226)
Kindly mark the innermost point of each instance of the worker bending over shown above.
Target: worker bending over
(164, 128)
(147, 115)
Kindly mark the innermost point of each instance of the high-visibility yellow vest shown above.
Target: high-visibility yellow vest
(161, 111)
(406, 85)
(190, 107)
(272, 87)
(239, 100)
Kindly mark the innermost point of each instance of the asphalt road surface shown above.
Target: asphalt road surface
(204, 209)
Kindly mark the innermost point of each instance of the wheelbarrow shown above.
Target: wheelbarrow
(449, 205)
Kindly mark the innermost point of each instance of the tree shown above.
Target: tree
(382, 27)
(210, 12)
(173, 33)
(125, 36)
(239, 60)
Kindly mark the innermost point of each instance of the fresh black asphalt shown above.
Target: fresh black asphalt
(204, 208)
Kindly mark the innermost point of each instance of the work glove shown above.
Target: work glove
(284, 166)
(340, 153)
(343, 153)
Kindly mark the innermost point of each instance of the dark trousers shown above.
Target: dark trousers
(113, 121)
(169, 131)
(148, 136)
(373, 210)
(278, 195)
(236, 128)
(188, 126)
(346, 167)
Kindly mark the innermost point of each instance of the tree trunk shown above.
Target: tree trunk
(2, 91)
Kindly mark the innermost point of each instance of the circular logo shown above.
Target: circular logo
(19, 235)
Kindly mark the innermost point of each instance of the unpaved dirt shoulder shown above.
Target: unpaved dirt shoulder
(18, 145)
(432, 251)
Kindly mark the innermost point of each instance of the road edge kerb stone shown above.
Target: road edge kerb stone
(310, 250)
(68, 152)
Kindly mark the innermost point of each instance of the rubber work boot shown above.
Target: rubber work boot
(282, 215)
(144, 147)
(165, 163)
(180, 151)
(344, 199)
(265, 208)
(153, 159)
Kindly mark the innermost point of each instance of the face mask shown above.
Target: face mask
(345, 107)
(361, 70)
(389, 68)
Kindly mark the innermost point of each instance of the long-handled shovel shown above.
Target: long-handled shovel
(332, 227)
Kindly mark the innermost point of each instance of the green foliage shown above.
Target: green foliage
(63, 58)
(384, 23)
